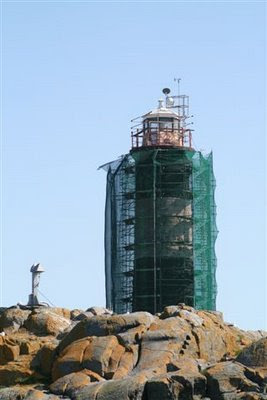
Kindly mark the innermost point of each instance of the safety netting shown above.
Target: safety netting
(160, 230)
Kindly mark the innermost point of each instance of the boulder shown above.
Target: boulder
(2, 309)
(16, 372)
(193, 318)
(127, 362)
(83, 315)
(244, 396)
(103, 325)
(17, 392)
(72, 382)
(229, 378)
(33, 394)
(30, 345)
(176, 385)
(88, 392)
(163, 388)
(123, 389)
(74, 313)
(194, 383)
(62, 312)
(165, 342)
(184, 364)
(9, 351)
(99, 354)
(11, 319)
(169, 311)
(209, 338)
(256, 335)
(64, 333)
(45, 322)
(189, 314)
(99, 311)
(132, 336)
(255, 355)
(44, 359)
(216, 341)
(130, 388)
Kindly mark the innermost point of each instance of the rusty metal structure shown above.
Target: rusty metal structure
(160, 217)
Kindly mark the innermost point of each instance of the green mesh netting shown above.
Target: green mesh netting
(160, 230)
(204, 232)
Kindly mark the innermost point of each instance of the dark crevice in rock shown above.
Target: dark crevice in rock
(138, 352)
(171, 367)
(197, 341)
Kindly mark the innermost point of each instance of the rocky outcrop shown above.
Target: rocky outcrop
(104, 325)
(44, 358)
(94, 355)
(230, 379)
(103, 355)
(254, 355)
(46, 322)
(21, 393)
(15, 372)
(11, 319)
(99, 311)
(9, 350)
(176, 385)
(68, 384)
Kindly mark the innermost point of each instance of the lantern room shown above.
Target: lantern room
(162, 127)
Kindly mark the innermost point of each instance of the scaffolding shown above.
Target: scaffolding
(160, 230)
(119, 234)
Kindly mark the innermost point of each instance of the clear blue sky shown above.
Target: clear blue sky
(74, 74)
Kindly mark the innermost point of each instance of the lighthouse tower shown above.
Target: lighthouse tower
(160, 227)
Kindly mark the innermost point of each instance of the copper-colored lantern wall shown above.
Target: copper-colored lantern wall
(161, 132)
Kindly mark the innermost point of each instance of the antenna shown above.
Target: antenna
(178, 80)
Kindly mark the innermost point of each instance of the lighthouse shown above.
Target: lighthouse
(160, 216)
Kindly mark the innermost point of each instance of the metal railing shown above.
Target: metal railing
(157, 136)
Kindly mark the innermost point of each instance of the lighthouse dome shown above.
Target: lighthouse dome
(161, 112)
